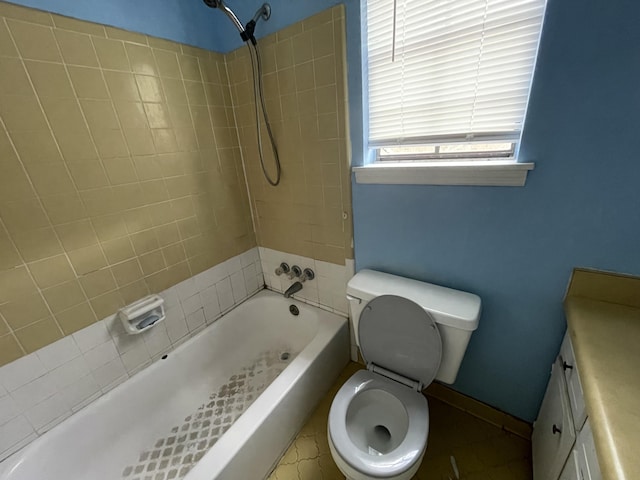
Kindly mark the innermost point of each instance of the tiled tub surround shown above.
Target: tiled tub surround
(309, 213)
(328, 290)
(121, 172)
(172, 420)
(122, 175)
(42, 389)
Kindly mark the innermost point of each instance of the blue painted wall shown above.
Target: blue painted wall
(516, 247)
(185, 21)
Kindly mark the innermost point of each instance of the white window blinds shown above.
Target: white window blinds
(450, 70)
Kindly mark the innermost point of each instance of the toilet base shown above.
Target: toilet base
(351, 474)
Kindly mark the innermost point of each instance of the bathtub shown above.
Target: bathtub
(224, 405)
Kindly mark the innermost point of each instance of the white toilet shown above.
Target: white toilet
(409, 334)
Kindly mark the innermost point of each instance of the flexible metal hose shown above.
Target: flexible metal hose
(256, 68)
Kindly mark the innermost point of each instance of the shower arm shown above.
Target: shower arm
(263, 12)
(232, 16)
(246, 32)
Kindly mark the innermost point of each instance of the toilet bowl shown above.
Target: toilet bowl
(378, 428)
(407, 332)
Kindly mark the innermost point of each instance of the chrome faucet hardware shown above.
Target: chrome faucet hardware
(294, 288)
(303, 276)
(296, 271)
(283, 268)
(307, 274)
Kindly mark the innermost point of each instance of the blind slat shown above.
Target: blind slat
(462, 67)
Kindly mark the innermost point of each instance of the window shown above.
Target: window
(446, 151)
(449, 80)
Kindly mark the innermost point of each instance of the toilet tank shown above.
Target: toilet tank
(456, 313)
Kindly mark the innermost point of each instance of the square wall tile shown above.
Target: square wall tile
(24, 311)
(91, 337)
(10, 349)
(49, 79)
(38, 334)
(111, 54)
(35, 42)
(58, 353)
(48, 413)
(21, 372)
(51, 271)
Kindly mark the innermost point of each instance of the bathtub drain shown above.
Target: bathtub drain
(285, 356)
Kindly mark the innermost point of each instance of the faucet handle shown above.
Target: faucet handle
(307, 274)
(283, 268)
(296, 271)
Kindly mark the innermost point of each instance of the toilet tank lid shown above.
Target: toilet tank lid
(449, 307)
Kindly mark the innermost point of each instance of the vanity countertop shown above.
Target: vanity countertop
(606, 341)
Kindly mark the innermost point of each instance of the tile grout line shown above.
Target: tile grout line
(64, 161)
(242, 154)
(35, 192)
(104, 171)
(9, 327)
(133, 74)
(164, 181)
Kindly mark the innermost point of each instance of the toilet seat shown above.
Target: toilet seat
(410, 449)
(401, 337)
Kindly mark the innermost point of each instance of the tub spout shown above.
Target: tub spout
(294, 288)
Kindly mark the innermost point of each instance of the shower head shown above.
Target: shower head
(229, 13)
(212, 3)
(246, 33)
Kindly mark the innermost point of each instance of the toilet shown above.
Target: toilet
(409, 333)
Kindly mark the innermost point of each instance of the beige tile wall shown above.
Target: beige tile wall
(309, 214)
(120, 172)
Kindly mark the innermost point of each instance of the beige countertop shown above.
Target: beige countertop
(606, 341)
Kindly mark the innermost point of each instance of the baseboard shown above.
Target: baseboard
(480, 410)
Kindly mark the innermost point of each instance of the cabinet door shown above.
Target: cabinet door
(586, 452)
(574, 386)
(570, 470)
(553, 432)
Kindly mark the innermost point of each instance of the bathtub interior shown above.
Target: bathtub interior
(162, 421)
(172, 455)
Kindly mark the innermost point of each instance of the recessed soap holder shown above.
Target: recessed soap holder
(142, 314)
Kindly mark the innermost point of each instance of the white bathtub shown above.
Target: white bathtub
(167, 421)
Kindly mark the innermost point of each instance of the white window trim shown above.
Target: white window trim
(494, 173)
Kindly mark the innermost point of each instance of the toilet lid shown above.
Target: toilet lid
(399, 335)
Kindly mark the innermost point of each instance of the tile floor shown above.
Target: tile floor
(482, 451)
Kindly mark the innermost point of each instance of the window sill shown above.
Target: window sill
(497, 173)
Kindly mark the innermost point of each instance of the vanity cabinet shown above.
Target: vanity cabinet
(554, 433)
(574, 386)
(562, 441)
